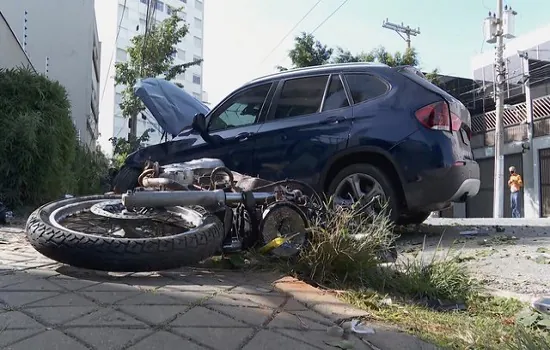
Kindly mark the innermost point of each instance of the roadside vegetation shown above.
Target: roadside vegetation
(434, 298)
(40, 156)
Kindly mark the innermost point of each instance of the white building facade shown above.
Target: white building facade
(132, 22)
(64, 47)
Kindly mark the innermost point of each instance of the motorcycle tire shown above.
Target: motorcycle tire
(120, 254)
(126, 179)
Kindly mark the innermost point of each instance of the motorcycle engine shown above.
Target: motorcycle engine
(188, 173)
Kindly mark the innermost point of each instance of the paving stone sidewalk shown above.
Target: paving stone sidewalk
(46, 305)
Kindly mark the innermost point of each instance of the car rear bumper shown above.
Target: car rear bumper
(437, 189)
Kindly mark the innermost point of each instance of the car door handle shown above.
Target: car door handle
(243, 136)
(333, 120)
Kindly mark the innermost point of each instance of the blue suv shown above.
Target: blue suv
(355, 130)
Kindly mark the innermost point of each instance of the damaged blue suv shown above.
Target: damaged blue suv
(355, 130)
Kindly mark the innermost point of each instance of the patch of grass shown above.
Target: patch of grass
(486, 323)
(343, 244)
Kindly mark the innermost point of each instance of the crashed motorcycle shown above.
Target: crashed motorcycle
(179, 215)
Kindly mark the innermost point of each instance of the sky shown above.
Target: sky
(240, 34)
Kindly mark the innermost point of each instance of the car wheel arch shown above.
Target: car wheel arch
(364, 154)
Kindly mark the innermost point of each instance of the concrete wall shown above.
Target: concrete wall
(12, 52)
(63, 31)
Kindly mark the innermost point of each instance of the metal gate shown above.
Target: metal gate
(481, 206)
(544, 162)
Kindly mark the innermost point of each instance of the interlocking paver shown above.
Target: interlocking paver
(252, 315)
(17, 298)
(168, 341)
(59, 314)
(110, 338)
(11, 336)
(106, 318)
(201, 316)
(63, 307)
(154, 314)
(17, 319)
(288, 320)
(267, 340)
(217, 338)
(48, 340)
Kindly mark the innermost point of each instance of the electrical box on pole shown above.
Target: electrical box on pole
(508, 22)
(490, 28)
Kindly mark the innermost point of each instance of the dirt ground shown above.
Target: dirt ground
(509, 258)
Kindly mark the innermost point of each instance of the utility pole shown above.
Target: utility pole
(498, 199)
(402, 29)
(497, 27)
(531, 206)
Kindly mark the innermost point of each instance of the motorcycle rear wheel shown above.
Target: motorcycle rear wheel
(47, 232)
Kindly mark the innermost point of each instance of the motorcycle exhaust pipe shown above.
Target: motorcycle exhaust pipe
(155, 199)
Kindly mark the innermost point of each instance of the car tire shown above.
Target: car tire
(126, 179)
(413, 218)
(375, 173)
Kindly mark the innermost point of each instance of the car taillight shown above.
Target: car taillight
(437, 116)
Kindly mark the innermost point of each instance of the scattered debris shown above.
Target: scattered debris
(475, 232)
(542, 305)
(6, 216)
(356, 326)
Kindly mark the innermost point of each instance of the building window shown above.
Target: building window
(199, 5)
(184, 1)
(169, 10)
(181, 55)
(198, 42)
(198, 23)
(143, 2)
(121, 55)
(196, 79)
(159, 5)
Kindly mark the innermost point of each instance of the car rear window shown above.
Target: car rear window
(364, 87)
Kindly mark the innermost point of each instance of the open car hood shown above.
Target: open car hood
(171, 106)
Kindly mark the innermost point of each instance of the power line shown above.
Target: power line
(329, 16)
(114, 51)
(290, 31)
(323, 22)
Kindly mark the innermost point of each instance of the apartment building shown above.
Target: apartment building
(131, 15)
(64, 47)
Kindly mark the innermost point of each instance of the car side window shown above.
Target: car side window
(301, 96)
(365, 87)
(241, 110)
(336, 95)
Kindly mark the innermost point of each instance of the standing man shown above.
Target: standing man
(515, 183)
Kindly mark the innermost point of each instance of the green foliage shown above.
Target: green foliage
(151, 55)
(39, 155)
(310, 52)
(123, 147)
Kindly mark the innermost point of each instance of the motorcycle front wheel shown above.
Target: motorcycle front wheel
(97, 232)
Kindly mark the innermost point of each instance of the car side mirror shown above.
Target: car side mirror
(199, 123)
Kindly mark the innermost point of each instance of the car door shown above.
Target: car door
(309, 121)
(236, 121)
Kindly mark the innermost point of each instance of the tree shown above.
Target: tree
(150, 55)
(308, 52)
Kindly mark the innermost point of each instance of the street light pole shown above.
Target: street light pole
(498, 199)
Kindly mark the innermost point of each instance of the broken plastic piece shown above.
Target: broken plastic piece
(360, 328)
(542, 305)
